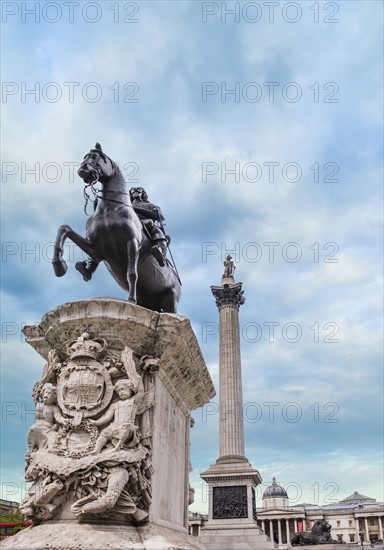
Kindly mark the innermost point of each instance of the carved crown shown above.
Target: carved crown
(84, 346)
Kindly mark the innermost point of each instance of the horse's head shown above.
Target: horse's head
(96, 166)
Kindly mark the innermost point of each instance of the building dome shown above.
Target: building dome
(357, 498)
(275, 491)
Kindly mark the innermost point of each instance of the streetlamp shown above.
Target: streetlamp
(361, 538)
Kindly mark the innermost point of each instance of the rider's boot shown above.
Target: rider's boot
(87, 268)
(159, 251)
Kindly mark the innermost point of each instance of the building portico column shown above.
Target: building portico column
(366, 529)
(357, 528)
(380, 527)
(263, 525)
(295, 522)
(279, 530)
(287, 529)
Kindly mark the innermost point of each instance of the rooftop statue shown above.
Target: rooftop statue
(125, 232)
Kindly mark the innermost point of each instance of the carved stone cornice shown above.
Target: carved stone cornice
(228, 295)
(166, 336)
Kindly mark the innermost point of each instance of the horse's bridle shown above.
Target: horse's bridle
(87, 198)
(95, 192)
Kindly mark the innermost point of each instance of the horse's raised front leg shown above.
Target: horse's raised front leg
(87, 268)
(133, 258)
(66, 232)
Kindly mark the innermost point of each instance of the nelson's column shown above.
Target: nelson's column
(231, 480)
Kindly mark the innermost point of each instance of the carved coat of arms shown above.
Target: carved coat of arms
(84, 386)
(91, 442)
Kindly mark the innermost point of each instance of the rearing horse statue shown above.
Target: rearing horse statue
(116, 236)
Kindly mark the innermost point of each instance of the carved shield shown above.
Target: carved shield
(84, 387)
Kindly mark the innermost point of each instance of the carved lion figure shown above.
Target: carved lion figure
(319, 534)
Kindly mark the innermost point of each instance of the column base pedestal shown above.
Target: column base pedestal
(235, 537)
(232, 507)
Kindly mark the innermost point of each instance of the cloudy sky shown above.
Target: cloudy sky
(256, 127)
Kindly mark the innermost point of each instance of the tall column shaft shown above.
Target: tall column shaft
(231, 397)
(229, 297)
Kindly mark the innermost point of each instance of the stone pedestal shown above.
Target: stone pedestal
(180, 384)
(232, 508)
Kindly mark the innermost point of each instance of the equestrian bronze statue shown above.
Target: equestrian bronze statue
(125, 232)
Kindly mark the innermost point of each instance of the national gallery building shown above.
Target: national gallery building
(352, 519)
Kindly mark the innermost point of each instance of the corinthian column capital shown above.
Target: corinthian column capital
(228, 295)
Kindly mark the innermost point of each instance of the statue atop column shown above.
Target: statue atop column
(229, 292)
(229, 267)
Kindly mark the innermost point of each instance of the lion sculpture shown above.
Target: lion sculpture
(319, 534)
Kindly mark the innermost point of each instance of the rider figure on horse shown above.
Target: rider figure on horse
(152, 219)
